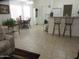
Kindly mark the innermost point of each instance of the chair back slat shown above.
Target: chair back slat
(69, 20)
(57, 20)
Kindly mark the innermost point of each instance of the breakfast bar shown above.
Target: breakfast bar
(74, 28)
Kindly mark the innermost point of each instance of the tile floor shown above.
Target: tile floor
(48, 46)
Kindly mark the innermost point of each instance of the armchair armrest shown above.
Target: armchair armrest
(10, 38)
(7, 46)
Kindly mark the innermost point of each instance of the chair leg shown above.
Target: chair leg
(64, 30)
(54, 29)
(59, 29)
(70, 31)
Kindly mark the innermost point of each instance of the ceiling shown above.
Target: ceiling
(15, 0)
(21, 1)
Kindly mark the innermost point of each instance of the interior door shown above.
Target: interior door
(67, 10)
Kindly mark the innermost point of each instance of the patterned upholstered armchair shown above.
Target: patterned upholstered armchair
(6, 43)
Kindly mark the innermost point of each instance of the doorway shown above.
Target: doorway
(67, 10)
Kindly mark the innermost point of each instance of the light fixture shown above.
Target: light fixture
(22, 0)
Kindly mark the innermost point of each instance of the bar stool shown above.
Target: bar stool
(68, 22)
(57, 21)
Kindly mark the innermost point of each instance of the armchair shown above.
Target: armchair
(6, 43)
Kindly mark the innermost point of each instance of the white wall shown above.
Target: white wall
(4, 16)
(42, 5)
(44, 10)
(61, 3)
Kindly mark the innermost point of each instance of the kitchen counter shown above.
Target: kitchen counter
(75, 26)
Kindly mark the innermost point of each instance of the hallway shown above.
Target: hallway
(48, 46)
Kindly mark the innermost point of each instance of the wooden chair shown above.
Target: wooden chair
(26, 23)
(68, 22)
(19, 24)
(29, 20)
(57, 21)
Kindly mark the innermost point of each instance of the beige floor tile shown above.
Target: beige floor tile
(48, 46)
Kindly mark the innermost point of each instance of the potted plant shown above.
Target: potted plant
(9, 22)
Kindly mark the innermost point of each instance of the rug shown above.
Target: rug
(23, 54)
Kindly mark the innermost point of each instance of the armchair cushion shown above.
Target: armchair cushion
(6, 41)
(7, 44)
(4, 45)
(3, 31)
(1, 36)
